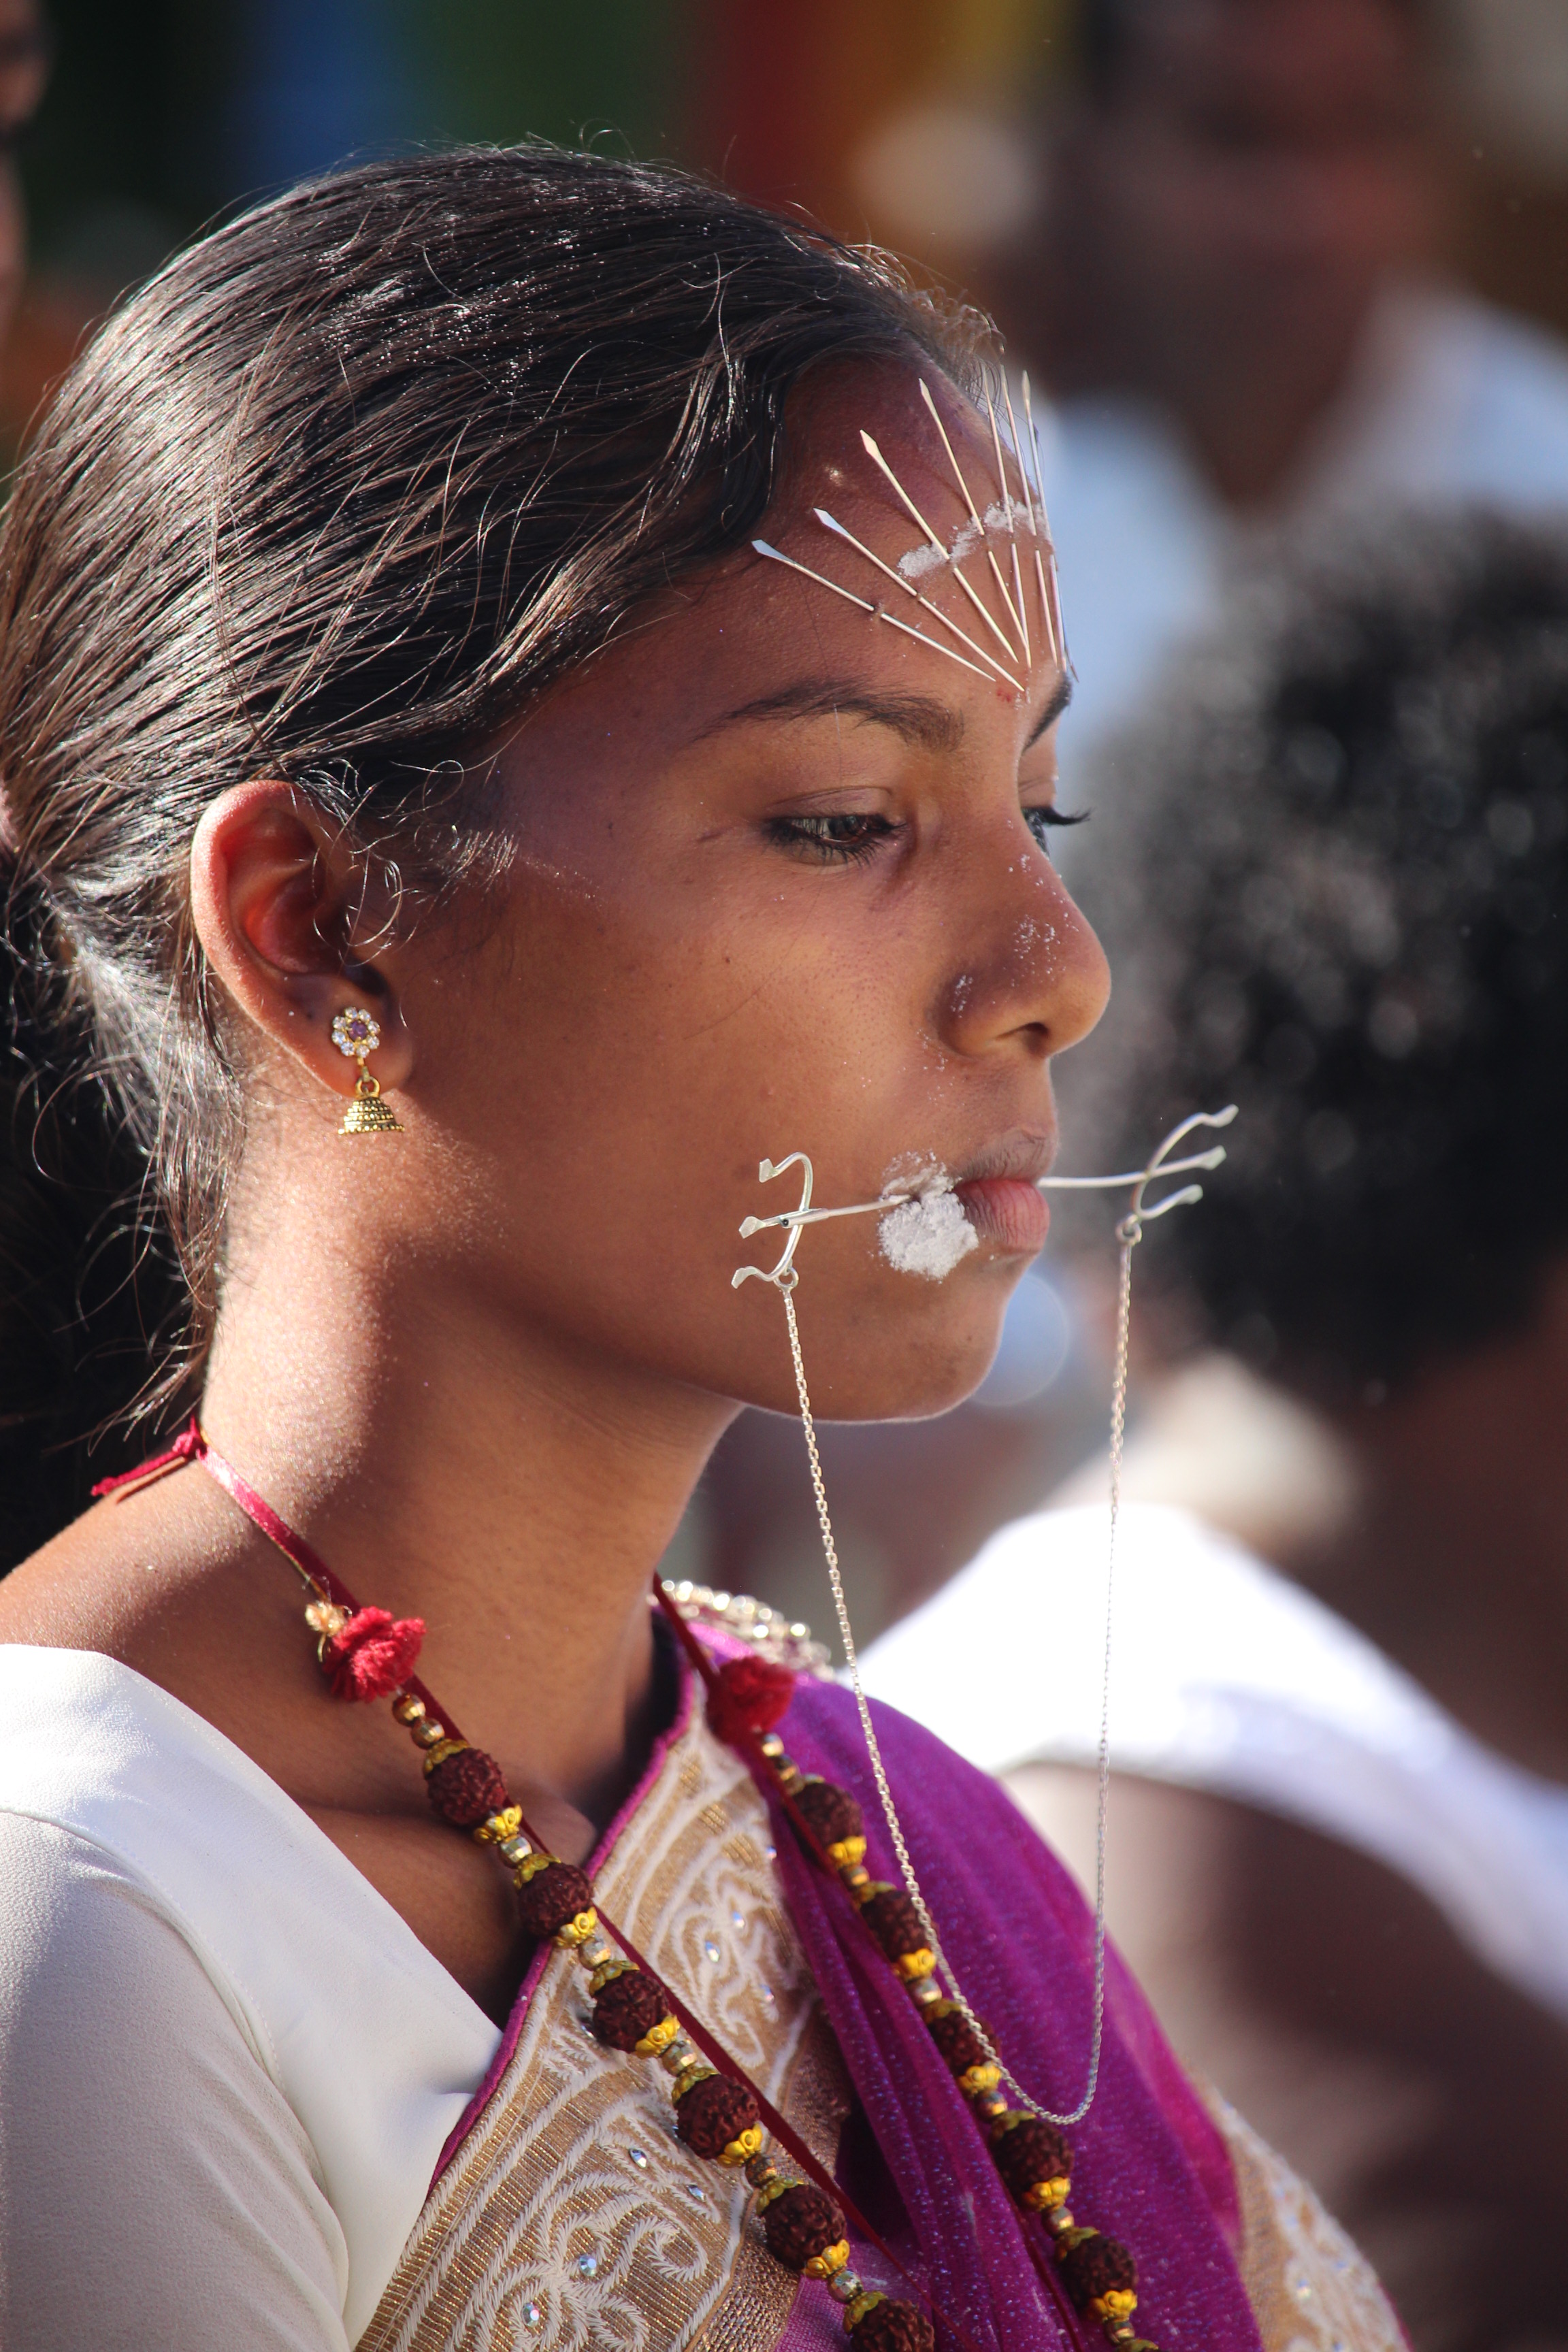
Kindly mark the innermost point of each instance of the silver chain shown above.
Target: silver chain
(1129, 1233)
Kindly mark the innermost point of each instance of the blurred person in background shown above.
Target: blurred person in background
(1237, 300)
(1339, 898)
(1237, 297)
(25, 49)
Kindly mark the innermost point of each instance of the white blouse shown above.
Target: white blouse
(332, 2054)
(228, 2070)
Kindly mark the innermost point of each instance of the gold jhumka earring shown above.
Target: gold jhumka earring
(356, 1034)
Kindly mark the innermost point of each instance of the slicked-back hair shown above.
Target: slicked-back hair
(332, 498)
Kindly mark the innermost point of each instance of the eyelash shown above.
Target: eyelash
(849, 839)
(1041, 822)
(833, 840)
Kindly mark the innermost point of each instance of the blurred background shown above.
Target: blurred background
(926, 124)
(1192, 208)
(1277, 267)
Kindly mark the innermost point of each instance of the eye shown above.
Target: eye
(833, 840)
(1042, 822)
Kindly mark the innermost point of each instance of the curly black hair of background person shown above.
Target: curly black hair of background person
(1333, 884)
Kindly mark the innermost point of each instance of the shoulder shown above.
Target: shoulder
(339, 2032)
(130, 2093)
(95, 1750)
(1513, 439)
(1311, 2287)
(1516, 352)
(1006, 1661)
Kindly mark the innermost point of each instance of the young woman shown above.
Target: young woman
(465, 856)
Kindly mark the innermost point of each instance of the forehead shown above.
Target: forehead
(826, 463)
(749, 628)
(904, 496)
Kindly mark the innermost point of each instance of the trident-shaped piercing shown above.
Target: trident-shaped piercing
(784, 1276)
(1159, 1163)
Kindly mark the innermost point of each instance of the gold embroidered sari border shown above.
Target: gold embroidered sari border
(571, 2212)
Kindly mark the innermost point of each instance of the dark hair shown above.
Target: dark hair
(1111, 33)
(329, 499)
(1335, 890)
(1108, 34)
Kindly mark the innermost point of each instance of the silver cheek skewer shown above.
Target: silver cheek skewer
(1158, 1165)
(784, 1277)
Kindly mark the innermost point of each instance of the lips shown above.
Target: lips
(1007, 1211)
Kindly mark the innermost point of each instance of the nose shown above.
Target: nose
(1034, 979)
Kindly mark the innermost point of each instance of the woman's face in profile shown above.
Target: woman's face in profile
(777, 885)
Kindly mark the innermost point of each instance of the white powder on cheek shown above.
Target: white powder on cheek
(926, 1236)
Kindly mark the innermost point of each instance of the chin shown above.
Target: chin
(917, 1375)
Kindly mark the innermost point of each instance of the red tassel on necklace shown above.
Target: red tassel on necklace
(371, 1655)
(748, 1694)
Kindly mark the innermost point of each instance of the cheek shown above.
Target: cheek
(618, 1077)
(669, 1007)
(615, 1079)
(625, 1009)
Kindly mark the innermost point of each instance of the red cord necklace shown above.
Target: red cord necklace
(366, 1653)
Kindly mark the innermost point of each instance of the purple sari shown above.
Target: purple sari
(1149, 2167)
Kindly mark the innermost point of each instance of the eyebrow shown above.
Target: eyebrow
(1060, 697)
(920, 718)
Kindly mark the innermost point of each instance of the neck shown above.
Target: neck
(1249, 384)
(512, 1488)
(1457, 1560)
(1251, 420)
(1251, 437)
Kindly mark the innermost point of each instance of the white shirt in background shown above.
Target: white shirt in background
(1226, 1676)
(1452, 401)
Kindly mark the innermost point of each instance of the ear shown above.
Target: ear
(279, 904)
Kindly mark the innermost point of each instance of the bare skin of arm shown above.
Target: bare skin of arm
(1328, 2001)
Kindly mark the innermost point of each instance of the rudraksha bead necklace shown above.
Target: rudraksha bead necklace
(717, 2115)
(366, 1653)
(1029, 2152)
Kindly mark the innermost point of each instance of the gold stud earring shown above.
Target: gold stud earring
(356, 1034)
